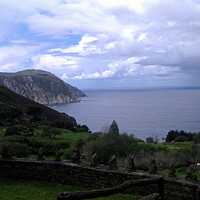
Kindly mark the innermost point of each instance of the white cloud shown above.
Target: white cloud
(51, 60)
(56, 64)
(15, 57)
(127, 68)
(86, 46)
(118, 38)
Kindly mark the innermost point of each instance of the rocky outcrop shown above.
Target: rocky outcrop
(41, 86)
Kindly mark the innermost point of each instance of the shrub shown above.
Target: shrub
(5, 151)
(82, 128)
(21, 150)
(58, 155)
(149, 140)
(50, 132)
(114, 129)
(196, 138)
(40, 155)
(172, 135)
(67, 154)
(8, 150)
(181, 138)
(19, 130)
(49, 146)
(106, 145)
(12, 130)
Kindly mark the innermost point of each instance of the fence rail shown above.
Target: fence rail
(115, 190)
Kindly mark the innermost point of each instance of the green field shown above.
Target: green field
(20, 190)
(23, 190)
(25, 142)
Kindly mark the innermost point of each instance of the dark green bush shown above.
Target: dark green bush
(9, 150)
(5, 151)
(181, 139)
(106, 145)
(19, 130)
(114, 129)
(40, 155)
(67, 154)
(82, 128)
(58, 155)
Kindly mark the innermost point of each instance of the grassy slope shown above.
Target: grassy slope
(64, 139)
(71, 137)
(19, 190)
(11, 103)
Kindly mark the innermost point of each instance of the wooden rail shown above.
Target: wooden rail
(154, 196)
(114, 190)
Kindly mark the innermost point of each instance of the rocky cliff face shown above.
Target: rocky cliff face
(41, 86)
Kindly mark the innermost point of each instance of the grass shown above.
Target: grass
(2, 131)
(23, 190)
(20, 190)
(71, 137)
(171, 147)
(177, 146)
(119, 197)
(181, 172)
(25, 142)
(61, 135)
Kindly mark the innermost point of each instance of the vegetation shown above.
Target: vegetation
(20, 190)
(114, 129)
(119, 197)
(38, 141)
(18, 110)
(30, 130)
(32, 190)
(35, 141)
(182, 136)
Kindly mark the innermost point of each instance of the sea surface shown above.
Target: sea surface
(140, 112)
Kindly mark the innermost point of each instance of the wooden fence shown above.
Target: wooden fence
(116, 190)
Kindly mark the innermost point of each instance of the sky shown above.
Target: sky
(104, 44)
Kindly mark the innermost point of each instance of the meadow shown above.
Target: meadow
(32, 190)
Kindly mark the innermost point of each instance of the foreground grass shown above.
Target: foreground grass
(23, 190)
(119, 197)
(20, 190)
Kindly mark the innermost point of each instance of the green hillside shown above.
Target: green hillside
(16, 109)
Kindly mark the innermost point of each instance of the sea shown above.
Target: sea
(142, 112)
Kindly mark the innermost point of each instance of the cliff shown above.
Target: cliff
(41, 86)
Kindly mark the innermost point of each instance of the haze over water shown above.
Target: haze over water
(140, 112)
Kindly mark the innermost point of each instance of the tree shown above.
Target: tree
(106, 145)
(19, 130)
(58, 155)
(149, 140)
(114, 129)
(5, 152)
(40, 155)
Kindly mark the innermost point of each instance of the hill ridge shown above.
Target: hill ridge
(41, 86)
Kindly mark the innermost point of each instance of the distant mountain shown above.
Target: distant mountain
(41, 86)
(16, 109)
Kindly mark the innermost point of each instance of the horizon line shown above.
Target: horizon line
(144, 88)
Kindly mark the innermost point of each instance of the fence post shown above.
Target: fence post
(161, 188)
(197, 193)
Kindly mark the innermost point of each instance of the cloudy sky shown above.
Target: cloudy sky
(104, 43)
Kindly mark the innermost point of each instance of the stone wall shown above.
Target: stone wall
(181, 190)
(119, 189)
(64, 173)
(92, 178)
